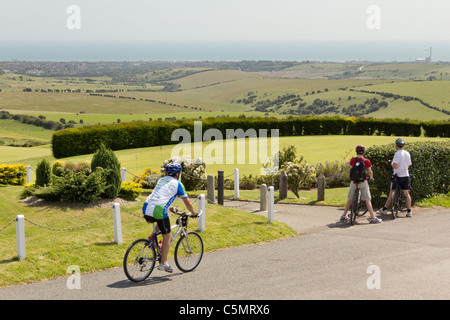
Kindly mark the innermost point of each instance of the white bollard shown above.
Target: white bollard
(236, 183)
(28, 174)
(271, 204)
(124, 174)
(20, 236)
(201, 209)
(117, 223)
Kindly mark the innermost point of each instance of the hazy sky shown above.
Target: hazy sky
(207, 20)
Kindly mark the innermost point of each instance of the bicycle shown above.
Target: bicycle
(356, 206)
(141, 256)
(398, 198)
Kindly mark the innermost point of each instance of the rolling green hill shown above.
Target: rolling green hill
(322, 88)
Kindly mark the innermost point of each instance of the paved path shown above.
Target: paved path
(329, 260)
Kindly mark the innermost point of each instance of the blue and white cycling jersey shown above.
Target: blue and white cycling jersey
(166, 191)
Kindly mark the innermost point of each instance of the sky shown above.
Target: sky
(218, 20)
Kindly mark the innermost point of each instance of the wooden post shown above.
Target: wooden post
(321, 188)
(210, 190)
(220, 187)
(263, 198)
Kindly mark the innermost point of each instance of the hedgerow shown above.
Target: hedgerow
(119, 136)
(430, 169)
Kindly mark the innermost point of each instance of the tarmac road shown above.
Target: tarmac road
(406, 258)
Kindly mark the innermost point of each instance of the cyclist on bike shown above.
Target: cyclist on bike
(400, 164)
(363, 186)
(157, 204)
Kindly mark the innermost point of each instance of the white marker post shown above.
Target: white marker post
(28, 174)
(124, 174)
(117, 223)
(271, 205)
(201, 210)
(20, 236)
(236, 183)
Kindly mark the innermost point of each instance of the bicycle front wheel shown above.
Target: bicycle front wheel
(139, 260)
(189, 252)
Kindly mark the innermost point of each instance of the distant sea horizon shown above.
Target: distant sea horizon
(307, 50)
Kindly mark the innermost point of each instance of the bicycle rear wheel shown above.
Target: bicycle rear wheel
(189, 252)
(395, 204)
(139, 260)
(356, 206)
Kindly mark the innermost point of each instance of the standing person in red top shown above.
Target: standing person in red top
(364, 186)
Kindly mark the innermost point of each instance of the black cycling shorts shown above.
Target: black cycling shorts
(163, 224)
(403, 182)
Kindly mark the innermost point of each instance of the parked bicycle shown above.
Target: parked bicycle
(399, 198)
(142, 255)
(357, 208)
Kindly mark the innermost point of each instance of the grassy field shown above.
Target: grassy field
(95, 118)
(15, 129)
(436, 93)
(314, 149)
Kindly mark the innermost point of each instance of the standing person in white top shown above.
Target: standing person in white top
(400, 164)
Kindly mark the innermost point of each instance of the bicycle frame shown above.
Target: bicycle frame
(181, 230)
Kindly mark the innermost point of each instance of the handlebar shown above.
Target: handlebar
(184, 213)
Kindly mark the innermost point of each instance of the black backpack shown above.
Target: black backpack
(358, 172)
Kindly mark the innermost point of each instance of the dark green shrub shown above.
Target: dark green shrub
(43, 174)
(48, 193)
(79, 187)
(249, 182)
(429, 167)
(106, 159)
(28, 191)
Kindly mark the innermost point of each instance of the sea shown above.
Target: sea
(307, 50)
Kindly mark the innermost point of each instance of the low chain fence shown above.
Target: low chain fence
(116, 210)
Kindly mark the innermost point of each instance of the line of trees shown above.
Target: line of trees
(37, 121)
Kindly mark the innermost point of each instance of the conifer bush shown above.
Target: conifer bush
(43, 174)
(106, 159)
